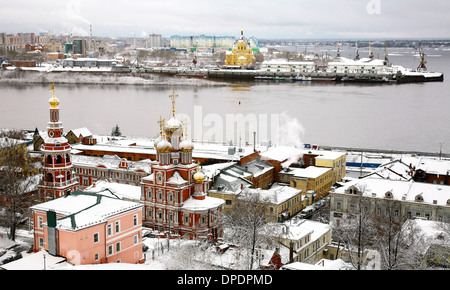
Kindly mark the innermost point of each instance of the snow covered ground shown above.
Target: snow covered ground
(41, 76)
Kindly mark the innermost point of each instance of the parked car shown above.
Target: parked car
(307, 212)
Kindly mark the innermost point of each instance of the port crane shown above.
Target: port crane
(422, 67)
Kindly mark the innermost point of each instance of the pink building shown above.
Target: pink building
(89, 228)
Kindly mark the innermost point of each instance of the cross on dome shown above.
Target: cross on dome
(173, 96)
(54, 102)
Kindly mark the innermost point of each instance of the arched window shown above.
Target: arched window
(49, 160)
(59, 159)
(419, 198)
(67, 158)
(49, 177)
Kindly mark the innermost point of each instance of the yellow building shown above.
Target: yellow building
(317, 179)
(282, 202)
(241, 54)
(334, 160)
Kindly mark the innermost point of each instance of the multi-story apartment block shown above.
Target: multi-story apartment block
(412, 199)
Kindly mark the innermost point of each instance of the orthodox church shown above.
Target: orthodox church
(58, 177)
(173, 194)
(241, 54)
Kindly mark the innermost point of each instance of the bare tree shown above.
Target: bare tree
(244, 223)
(355, 233)
(390, 239)
(18, 179)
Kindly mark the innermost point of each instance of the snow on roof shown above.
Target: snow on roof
(328, 155)
(275, 195)
(281, 153)
(361, 61)
(214, 169)
(111, 162)
(310, 171)
(34, 261)
(84, 132)
(284, 61)
(401, 190)
(176, 178)
(82, 209)
(123, 191)
(193, 204)
(323, 264)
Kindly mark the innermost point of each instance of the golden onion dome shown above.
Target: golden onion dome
(164, 146)
(199, 177)
(53, 101)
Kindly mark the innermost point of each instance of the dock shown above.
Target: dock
(257, 74)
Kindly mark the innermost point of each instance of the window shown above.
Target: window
(96, 256)
(41, 242)
(96, 238)
(135, 221)
(117, 247)
(135, 239)
(110, 250)
(40, 221)
(109, 229)
(117, 226)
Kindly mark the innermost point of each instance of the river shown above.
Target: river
(412, 117)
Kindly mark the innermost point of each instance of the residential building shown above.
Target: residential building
(203, 41)
(261, 173)
(89, 228)
(334, 160)
(79, 46)
(307, 240)
(90, 169)
(153, 40)
(77, 136)
(312, 178)
(414, 199)
(227, 184)
(282, 202)
(419, 168)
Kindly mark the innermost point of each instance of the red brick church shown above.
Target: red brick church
(174, 194)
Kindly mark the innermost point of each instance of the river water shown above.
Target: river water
(414, 117)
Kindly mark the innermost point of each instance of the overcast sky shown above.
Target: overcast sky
(330, 19)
